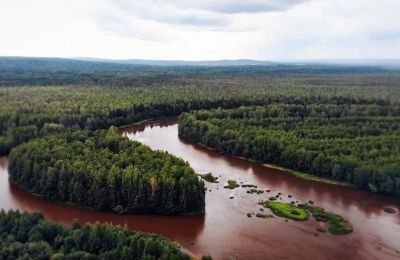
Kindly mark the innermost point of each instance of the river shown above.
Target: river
(225, 232)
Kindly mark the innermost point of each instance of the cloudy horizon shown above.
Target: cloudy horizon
(201, 30)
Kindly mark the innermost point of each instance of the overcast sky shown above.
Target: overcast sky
(201, 29)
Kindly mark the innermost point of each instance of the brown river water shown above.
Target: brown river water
(225, 232)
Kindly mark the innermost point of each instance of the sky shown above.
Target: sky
(201, 29)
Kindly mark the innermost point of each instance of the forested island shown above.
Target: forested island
(353, 142)
(30, 236)
(106, 171)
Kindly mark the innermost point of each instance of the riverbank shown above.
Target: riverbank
(307, 176)
(302, 175)
(146, 122)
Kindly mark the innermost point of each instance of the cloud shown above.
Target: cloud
(237, 6)
(170, 13)
(201, 30)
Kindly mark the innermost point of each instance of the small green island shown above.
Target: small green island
(336, 222)
(286, 210)
(209, 177)
(301, 212)
(232, 184)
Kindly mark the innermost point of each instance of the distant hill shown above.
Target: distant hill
(387, 63)
(384, 63)
(215, 63)
(16, 71)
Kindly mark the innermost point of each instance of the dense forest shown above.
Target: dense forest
(354, 142)
(106, 171)
(352, 97)
(35, 111)
(30, 236)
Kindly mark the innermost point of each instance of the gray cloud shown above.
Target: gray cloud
(171, 13)
(212, 14)
(239, 6)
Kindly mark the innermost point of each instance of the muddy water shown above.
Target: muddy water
(225, 232)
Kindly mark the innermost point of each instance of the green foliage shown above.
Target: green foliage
(336, 222)
(107, 99)
(232, 184)
(323, 120)
(30, 236)
(286, 210)
(209, 177)
(344, 141)
(106, 171)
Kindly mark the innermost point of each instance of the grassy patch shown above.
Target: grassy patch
(336, 221)
(311, 177)
(209, 177)
(308, 176)
(286, 210)
(231, 185)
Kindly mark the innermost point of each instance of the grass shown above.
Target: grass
(231, 185)
(308, 176)
(286, 210)
(301, 212)
(209, 177)
(336, 221)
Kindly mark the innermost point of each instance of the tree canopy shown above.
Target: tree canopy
(106, 171)
(35, 111)
(30, 236)
(354, 143)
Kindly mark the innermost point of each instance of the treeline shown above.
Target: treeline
(30, 236)
(354, 143)
(106, 171)
(15, 71)
(29, 112)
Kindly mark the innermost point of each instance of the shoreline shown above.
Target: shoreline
(302, 175)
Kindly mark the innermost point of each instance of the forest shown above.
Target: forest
(58, 122)
(34, 111)
(106, 171)
(351, 104)
(30, 236)
(357, 143)
(22, 71)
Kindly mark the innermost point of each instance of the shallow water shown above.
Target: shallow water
(225, 232)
